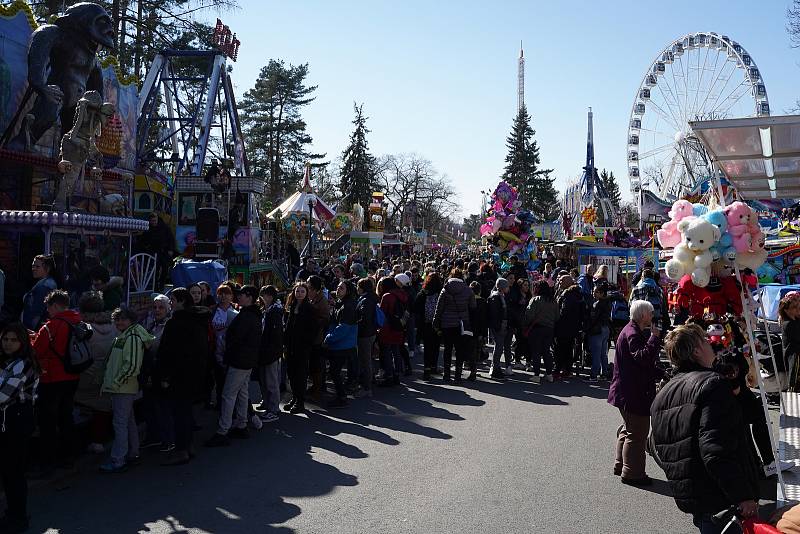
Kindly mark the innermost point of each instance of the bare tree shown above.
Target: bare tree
(416, 194)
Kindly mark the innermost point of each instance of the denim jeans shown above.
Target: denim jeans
(499, 344)
(365, 361)
(269, 380)
(598, 347)
(235, 398)
(540, 341)
(391, 360)
(126, 433)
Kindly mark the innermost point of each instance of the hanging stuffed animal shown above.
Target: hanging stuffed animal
(669, 236)
(723, 249)
(738, 217)
(692, 254)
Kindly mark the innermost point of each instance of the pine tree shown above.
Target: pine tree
(608, 186)
(611, 188)
(535, 186)
(276, 134)
(357, 175)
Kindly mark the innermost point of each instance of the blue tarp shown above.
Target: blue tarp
(190, 272)
(770, 295)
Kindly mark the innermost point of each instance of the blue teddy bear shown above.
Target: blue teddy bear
(724, 247)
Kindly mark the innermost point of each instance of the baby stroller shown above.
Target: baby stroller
(752, 525)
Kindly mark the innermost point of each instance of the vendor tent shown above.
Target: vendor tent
(760, 156)
(770, 297)
(298, 202)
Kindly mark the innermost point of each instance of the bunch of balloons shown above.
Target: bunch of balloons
(701, 236)
(507, 227)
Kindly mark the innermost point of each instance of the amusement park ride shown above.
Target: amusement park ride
(700, 76)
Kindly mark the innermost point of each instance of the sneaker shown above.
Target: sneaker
(289, 405)
(169, 447)
(239, 433)
(255, 421)
(497, 374)
(111, 467)
(218, 440)
(269, 417)
(548, 378)
(297, 408)
(536, 379)
(95, 448)
(509, 370)
(592, 379)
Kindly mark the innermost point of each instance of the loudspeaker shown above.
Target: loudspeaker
(208, 224)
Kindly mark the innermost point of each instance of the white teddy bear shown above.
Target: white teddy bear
(692, 255)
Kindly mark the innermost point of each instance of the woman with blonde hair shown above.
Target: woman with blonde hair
(601, 274)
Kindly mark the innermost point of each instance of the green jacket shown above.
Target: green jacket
(125, 360)
(541, 312)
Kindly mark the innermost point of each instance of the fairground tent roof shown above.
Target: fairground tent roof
(298, 202)
(760, 156)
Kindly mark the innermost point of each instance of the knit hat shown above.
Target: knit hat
(402, 279)
(501, 284)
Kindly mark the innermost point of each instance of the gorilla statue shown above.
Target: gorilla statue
(62, 65)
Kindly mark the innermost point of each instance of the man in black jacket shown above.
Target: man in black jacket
(242, 346)
(700, 436)
(269, 355)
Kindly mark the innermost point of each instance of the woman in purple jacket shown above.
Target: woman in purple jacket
(633, 388)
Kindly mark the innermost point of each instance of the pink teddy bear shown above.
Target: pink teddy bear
(738, 215)
(669, 236)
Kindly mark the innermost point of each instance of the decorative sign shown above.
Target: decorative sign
(225, 40)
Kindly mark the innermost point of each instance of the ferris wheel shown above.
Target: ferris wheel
(700, 76)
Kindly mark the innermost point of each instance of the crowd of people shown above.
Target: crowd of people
(358, 325)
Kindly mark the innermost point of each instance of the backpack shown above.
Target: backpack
(620, 311)
(380, 317)
(430, 307)
(77, 358)
(651, 295)
(399, 316)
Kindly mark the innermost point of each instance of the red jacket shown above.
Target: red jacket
(53, 336)
(387, 334)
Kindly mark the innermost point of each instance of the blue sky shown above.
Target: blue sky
(439, 78)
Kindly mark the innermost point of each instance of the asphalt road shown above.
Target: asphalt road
(484, 457)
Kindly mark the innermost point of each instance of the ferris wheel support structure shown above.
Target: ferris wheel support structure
(700, 76)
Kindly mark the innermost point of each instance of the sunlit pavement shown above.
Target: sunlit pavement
(425, 457)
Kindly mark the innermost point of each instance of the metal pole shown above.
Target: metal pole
(310, 228)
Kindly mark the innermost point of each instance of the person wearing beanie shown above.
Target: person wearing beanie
(498, 325)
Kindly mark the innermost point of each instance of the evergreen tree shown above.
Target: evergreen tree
(277, 141)
(357, 174)
(609, 186)
(535, 186)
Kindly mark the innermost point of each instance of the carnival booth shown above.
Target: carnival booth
(304, 215)
(758, 157)
(66, 172)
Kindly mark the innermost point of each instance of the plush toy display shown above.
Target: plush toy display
(692, 255)
(722, 249)
(736, 236)
(668, 235)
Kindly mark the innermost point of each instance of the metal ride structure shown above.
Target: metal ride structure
(589, 188)
(700, 76)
